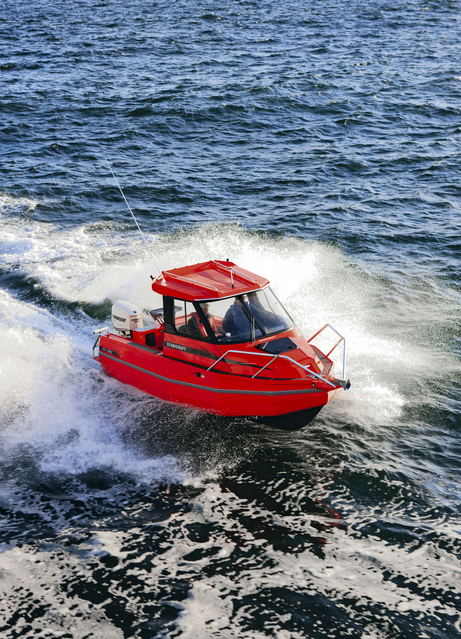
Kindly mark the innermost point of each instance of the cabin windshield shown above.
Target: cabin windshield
(246, 317)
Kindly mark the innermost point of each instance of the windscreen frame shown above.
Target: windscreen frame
(251, 317)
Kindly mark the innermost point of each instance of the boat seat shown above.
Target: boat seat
(193, 328)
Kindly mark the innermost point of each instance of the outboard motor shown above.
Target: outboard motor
(125, 318)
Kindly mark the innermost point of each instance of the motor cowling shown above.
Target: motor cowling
(126, 317)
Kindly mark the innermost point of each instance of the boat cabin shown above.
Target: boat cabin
(215, 309)
(216, 303)
(219, 303)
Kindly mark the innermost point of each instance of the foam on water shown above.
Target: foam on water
(53, 397)
(55, 401)
(411, 587)
(14, 205)
(350, 572)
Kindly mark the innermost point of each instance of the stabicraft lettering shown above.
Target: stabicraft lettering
(177, 346)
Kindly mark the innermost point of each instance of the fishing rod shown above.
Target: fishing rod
(136, 221)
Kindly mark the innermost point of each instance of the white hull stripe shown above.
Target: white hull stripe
(208, 388)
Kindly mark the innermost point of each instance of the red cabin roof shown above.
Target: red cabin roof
(207, 281)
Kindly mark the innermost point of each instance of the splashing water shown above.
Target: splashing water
(62, 417)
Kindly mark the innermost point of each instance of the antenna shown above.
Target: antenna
(136, 221)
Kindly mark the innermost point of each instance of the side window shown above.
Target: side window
(187, 321)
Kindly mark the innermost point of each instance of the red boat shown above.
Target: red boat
(222, 343)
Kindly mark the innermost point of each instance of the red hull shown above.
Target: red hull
(216, 392)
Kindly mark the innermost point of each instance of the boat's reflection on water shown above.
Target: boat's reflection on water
(274, 485)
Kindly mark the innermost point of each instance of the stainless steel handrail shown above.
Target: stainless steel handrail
(343, 339)
(230, 268)
(98, 332)
(96, 344)
(305, 368)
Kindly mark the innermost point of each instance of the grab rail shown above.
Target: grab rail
(98, 332)
(305, 368)
(343, 339)
(245, 278)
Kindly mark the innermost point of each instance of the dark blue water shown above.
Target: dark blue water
(317, 144)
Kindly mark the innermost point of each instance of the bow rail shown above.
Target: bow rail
(342, 339)
(273, 358)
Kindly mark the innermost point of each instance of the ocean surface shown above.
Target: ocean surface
(315, 143)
